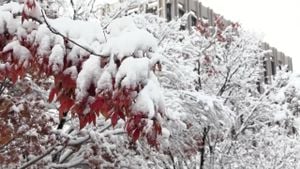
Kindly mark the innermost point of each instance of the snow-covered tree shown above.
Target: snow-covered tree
(112, 91)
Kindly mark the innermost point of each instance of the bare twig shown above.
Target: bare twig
(3, 86)
(33, 161)
(202, 149)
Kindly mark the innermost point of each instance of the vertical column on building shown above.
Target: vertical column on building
(267, 64)
(161, 10)
(174, 8)
(274, 60)
(262, 75)
(194, 7)
(287, 62)
(200, 10)
(290, 64)
(204, 12)
(187, 9)
(211, 17)
(281, 60)
(208, 15)
(197, 5)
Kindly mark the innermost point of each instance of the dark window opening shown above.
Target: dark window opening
(168, 12)
(265, 72)
(181, 12)
(279, 64)
(151, 10)
(273, 68)
(258, 87)
(194, 21)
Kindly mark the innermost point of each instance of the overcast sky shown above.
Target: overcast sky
(277, 20)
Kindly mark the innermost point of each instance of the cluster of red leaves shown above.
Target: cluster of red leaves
(15, 141)
(135, 126)
(114, 105)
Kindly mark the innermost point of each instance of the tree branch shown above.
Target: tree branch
(3, 86)
(54, 31)
(33, 161)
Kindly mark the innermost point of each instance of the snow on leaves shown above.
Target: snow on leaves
(119, 85)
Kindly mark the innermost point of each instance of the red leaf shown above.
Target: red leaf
(66, 104)
(137, 118)
(114, 119)
(105, 109)
(82, 122)
(157, 127)
(135, 135)
(151, 138)
(130, 126)
(97, 104)
(14, 76)
(121, 114)
(68, 82)
(51, 94)
(93, 118)
(78, 108)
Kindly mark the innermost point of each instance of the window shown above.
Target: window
(181, 12)
(279, 64)
(151, 10)
(265, 72)
(194, 20)
(258, 87)
(273, 68)
(168, 12)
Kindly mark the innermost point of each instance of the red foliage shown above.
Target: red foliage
(114, 104)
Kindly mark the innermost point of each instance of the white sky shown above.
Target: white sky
(277, 20)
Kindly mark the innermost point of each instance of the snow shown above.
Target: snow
(165, 133)
(32, 132)
(4, 66)
(150, 99)
(279, 115)
(87, 31)
(8, 23)
(132, 72)
(103, 2)
(90, 74)
(12, 7)
(72, 71)
(120, 25)
(140, 40)
(132, 52)
(56, 58)
(32, 9)
(44, 45)
(104, 84)
(19, 52)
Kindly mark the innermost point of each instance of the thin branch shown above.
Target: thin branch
(3, 86)
(202, 149)
(53, 30)
(222, 89)
(4, 145)
(244, 125)
(33, 161)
